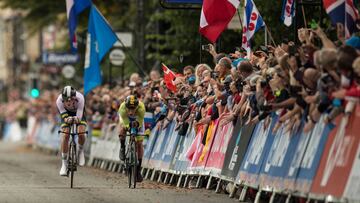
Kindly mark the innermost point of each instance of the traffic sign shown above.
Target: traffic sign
(117, 57)
(125, 37)
(68, 71)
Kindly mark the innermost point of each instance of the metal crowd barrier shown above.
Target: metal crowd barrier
(323, 164)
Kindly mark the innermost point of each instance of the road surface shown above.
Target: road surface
(31, 176)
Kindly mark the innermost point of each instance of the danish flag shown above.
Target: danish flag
(169, 78)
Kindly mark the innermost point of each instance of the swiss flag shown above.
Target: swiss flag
(215, 16)
(169, 78)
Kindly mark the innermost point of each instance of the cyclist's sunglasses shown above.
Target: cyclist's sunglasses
(69, 98)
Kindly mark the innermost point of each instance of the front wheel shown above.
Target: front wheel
(134, 163)
(72, 163)
(128, 170)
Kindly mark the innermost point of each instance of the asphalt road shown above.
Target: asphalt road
(31, 176)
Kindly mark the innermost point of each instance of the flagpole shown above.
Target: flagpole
(266, 39)
(303, 11)
(269, 33)
(241, 25)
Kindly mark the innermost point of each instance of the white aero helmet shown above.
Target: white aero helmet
(68, 92)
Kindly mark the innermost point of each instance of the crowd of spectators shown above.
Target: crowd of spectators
(298, 82)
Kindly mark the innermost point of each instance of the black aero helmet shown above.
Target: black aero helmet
(131, 102)
(68, 92)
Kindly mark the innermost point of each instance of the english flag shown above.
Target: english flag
(169, 78)
(344, 12)
(215, 16)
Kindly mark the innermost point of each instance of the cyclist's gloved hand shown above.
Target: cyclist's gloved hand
(134, 124)
(147, 132)
(68, 120)
(76, 120)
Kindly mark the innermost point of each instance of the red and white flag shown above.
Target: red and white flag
(215, 16)
(169, 78)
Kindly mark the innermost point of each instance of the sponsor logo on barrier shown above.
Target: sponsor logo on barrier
(234, 155)
(311, 150)
(339, 156)
(296, 162)
(256, 149)
(339, 152)
(279, 149)
(234, 158)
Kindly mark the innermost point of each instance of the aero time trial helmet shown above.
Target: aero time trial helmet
(131, 102)
(68, 92)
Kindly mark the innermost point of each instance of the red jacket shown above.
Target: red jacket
(354, 91)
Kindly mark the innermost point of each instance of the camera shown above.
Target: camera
(214, 74)
(264, 49)
(292, 50)
(205, 47)
(153, 89)
(192, 80)
(264, 83)
(239, 85)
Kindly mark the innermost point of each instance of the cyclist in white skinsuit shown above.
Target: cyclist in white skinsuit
(71, 105)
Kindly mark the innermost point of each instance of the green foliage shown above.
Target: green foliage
(176, 37)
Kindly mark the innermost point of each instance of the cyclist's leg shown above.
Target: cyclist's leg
(140, 153)
(81, 140)
(122, 136)
(64, 148)
(65, 139)
(81, 127)
(81, 131)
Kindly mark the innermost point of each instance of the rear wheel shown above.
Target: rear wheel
(128, 166)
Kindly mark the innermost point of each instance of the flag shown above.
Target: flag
(252, 22)
(100, 39)
(169, 78)
(215, 16)
(73, 9)
(352, 14)
(288, 12)
(344, 12)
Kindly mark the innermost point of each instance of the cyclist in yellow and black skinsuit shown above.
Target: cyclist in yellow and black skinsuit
(132, 111)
